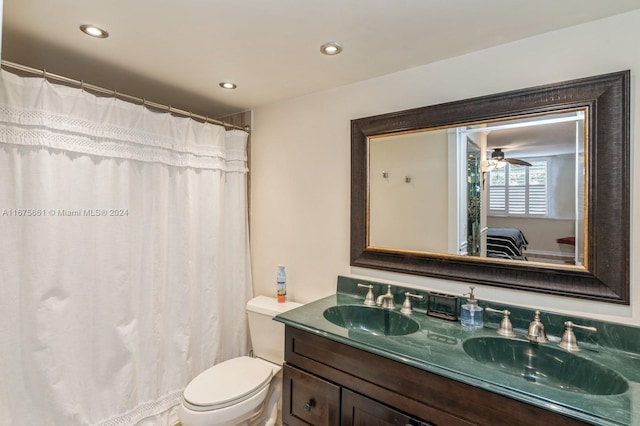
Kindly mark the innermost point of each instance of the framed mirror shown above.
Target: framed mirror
(526, 189)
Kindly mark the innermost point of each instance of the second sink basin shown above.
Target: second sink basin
(546, 365)
(371, 319)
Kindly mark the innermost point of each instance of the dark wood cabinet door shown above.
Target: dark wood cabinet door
(358, 410)
(308, 399)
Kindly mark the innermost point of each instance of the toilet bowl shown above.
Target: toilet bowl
(228, 393)
(242, 390)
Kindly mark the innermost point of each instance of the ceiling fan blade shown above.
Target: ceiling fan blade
(517, 162)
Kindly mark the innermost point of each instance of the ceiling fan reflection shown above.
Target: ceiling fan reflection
(498, 161)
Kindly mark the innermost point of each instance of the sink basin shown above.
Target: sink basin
(371, 319)
(546, 365)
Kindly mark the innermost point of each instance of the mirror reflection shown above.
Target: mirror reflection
(511, 189)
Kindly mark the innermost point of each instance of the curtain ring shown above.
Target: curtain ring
(115, 94)
(44, 73)
(82, 85)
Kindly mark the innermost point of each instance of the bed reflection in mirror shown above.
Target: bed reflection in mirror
(511, 189)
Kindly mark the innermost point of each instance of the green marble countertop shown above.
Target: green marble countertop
(437, 347)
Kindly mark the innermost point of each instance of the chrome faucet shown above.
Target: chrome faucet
(536, 331)
(386, 300)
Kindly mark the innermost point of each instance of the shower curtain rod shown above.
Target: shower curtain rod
(133, 99)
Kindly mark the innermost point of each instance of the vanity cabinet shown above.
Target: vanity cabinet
(328, 383)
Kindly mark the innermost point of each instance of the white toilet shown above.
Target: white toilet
(243, 390)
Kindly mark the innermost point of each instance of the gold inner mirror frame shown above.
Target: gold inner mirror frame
(443, 192)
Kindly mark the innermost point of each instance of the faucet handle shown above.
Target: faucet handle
(369, 298)
(406, 306)
(569, 341)
(506, 328)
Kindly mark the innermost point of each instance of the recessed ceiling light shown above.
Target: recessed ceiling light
(94, 31)
(331, 48)
(228, 85)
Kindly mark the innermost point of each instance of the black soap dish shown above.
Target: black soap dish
(441, 305)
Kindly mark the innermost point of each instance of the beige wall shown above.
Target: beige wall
(301, 157)
(419, 226)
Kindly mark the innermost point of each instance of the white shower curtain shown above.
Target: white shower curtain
(124, 256)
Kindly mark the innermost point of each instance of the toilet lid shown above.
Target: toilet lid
(227, 383)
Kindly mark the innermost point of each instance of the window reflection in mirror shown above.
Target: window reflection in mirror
(511, 189)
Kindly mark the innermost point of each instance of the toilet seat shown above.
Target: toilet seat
(227, 383)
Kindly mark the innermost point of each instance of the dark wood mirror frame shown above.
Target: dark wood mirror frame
(606, 277)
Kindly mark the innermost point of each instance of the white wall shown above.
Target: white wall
(301, 157)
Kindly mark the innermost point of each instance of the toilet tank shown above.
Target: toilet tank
(267, 335)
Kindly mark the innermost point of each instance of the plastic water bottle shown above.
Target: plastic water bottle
(282, 284)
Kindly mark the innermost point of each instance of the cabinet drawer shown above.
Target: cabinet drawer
(309, 400)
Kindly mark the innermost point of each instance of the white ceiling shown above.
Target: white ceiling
(176, 52)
